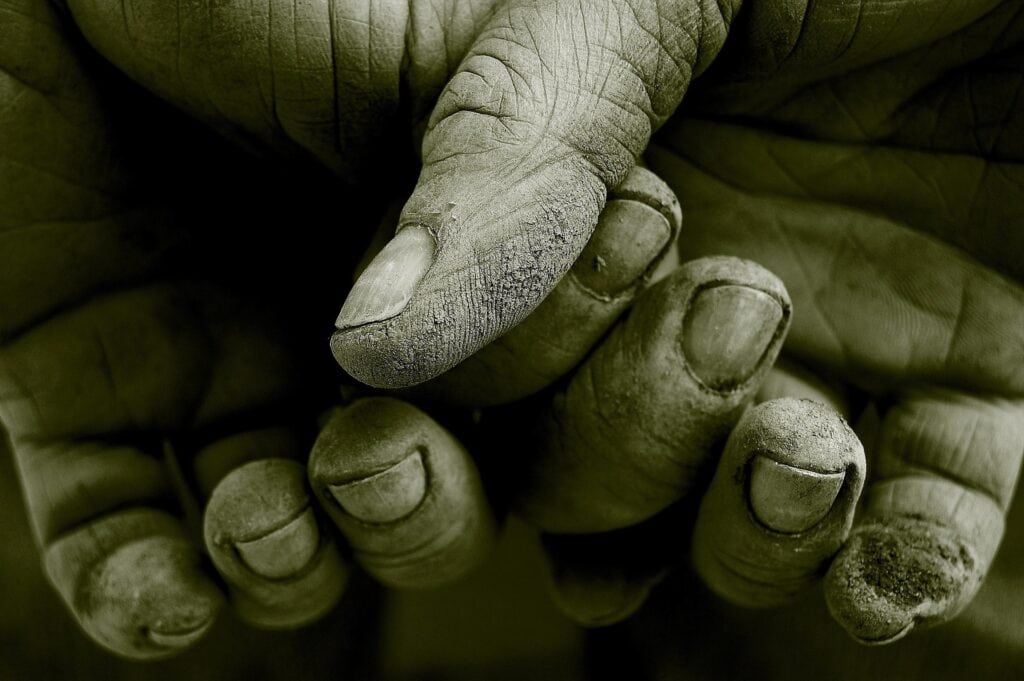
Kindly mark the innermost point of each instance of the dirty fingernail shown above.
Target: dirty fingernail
(629, 238)
(284, 552)
(726, 332)
(894, 573)
(788, 499)
(386, 496)
(390, 280)
(150, 596)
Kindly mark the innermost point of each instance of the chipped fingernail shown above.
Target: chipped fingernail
(896, 572)
(390, 280)
(628, 239)
(726, 333)
(788, 499)
(386, 496)
(284, 552)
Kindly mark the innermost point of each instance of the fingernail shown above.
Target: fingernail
(789, 499)
(389, 281)
(285, 551)
(646, 187)
(149, 597)
(180, 638)
(628, 239)
(726, 331)
(386, 496)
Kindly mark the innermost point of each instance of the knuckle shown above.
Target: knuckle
(975, 442)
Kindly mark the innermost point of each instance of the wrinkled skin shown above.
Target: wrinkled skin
(841, 150)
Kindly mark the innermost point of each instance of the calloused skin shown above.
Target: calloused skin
(147, 300)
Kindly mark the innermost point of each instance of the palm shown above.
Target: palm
(838, 160)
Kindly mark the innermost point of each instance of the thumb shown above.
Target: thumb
(551, 106)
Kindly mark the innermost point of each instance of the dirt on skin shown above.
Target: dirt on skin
(910, 567)
(896, 572)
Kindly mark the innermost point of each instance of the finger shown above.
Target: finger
(536, 125)
(107, 510)
(781, 503)
(404, 493)
(263, 533)
(641, 417)
(114, 547)
(600, 579)
(637, 228)
(945, 468)
(80, 393)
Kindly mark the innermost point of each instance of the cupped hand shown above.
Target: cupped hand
(549, 106)
(867, 153)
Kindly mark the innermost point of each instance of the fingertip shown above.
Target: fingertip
(895, 574)
(403, 491)
(475, 254)
(635, 233)
(597, 601)
(135, 584)
(780, 504)
(264, 538)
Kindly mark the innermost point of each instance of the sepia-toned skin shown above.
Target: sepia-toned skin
(164, 301)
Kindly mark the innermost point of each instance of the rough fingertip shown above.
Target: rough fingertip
(404, 492)
(503, 242)
(894, 574)
(265, 539)
(148, 599)
(802, 433)
(256, 504)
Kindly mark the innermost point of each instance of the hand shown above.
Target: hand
(909, 286)
(592, 147)
(865, 154)
(159, 359)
